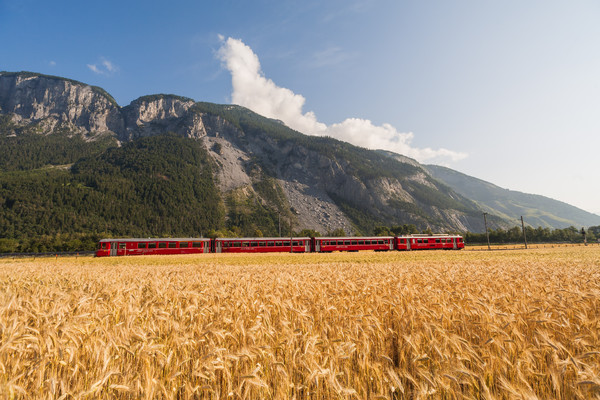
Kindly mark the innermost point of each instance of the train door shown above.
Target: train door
(317, 245)
(113, 248)
(408, 240)
(218, 246)
(307, 246)
(454, 243)
(391, 244)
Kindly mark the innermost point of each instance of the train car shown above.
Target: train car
(262, 245)
(429, 242)
(329, 244)
(137, 247)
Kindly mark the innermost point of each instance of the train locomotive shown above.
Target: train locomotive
(165, 246)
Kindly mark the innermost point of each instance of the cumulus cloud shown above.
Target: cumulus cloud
(103, 67)
(253, 90)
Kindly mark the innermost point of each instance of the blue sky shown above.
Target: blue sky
(508, 91)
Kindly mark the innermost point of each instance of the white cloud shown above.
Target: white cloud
(94, 68)
(253, 90)
(104, 67)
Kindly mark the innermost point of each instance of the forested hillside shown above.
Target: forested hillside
(156, 186)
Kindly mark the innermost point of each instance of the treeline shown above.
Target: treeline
(52, 243)
(534, 235)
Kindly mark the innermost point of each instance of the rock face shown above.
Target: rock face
(57, 102)
(321, 184)
(153, 115)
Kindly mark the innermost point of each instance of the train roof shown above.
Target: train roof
(435, 235)
(354, 237)
(154, 239)
(266, 238)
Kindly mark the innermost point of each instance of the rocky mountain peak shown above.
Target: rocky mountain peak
(57, 102)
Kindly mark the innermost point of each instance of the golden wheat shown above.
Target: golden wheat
(448, 325)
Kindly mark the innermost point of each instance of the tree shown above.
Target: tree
(309, 233)
(336, 232)
(381, 231)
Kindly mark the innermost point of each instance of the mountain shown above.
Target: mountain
(75, 162)
(536, 210)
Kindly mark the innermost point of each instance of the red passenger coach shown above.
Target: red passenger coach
(262, 245)
(137, 247)
(329, 244)
(429, 242)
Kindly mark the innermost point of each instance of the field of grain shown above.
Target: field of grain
(439, 325)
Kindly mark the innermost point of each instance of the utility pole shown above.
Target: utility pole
(291, 236)
(487, 234)
(524, 236)
(279, 219)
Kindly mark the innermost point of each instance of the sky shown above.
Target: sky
(507, 92)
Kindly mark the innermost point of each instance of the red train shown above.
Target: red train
(131, 247)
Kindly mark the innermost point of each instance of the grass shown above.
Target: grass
(440, 325)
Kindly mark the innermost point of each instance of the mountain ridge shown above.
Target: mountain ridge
(537, 210)
(265, 172)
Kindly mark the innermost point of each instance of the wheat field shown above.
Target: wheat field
(398, 325)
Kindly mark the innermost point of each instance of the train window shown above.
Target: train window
(162, 245)
(196, 244)
(296, 243)
(286, 243)
(347, 242)
(354, 242)
(237, 244)
(142, 245)
(438, 241)
(152, 245)
(361, 242)
(183, 244)
(104, 245)
(277, 243)
(380, 242)
(121, 246)
(172, 245)
(262, 244)
(270, 244)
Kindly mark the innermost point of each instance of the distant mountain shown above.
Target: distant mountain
(511, 205)
(75, 161)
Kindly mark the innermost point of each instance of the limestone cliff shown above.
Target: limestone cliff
(58, 103)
